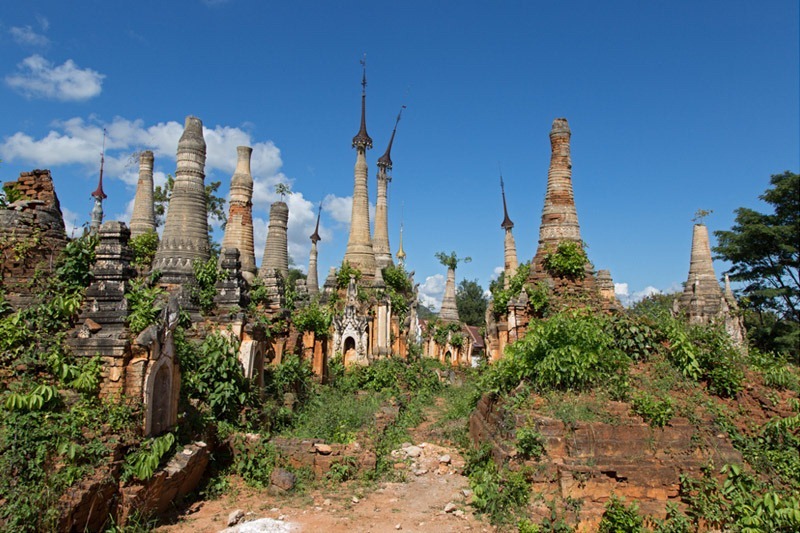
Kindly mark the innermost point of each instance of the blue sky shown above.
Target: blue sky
(674, 106)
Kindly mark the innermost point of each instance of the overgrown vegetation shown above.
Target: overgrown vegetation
(144, 249)
(567, 261)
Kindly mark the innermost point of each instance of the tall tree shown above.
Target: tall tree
(471, 302)
(764, 250)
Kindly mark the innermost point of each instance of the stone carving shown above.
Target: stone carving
(143, 219)
(350, 335)
(185, 237)
(230, 286)
(239, 228)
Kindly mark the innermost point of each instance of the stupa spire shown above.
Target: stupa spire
(380, 242)
(143, 219)
(559, 216)
(98, 194)
(509, 244)
(449, 310)
(360, 253)
(185, 237)
(401, 254)
(239, 228)
(312, 281)
(362, 138)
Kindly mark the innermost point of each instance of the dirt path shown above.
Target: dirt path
(432, 498)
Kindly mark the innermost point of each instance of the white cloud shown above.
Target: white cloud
(24, 35)
(39, 78)
(432, 291)
(497, 271)
(628, 299)
(78, 141)
(71, 222)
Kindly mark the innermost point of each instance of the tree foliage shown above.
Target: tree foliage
(451, 260)
(471, 302)
(764, 250)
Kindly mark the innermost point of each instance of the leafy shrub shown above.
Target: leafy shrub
(619, 518)
(656, 412)
(206, 275)
(213, 374)
(568, 351)
(530, 443)
(501, 296)
(144, 248)
(143, 307)
(501, 493)
(314, 318)
(568, 261)
(142, 463)
(343, 470)
(636, 336)
(344, 273)
(254, 461)
(538, 297)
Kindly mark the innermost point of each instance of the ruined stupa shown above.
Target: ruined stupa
(359, 253)
(380, 241)
(559, 226)
(239, 228)
(143, 219)
(449, 310)
(276, 252)
(312, 281)
(185, 237)
(702, 300)
(510, 263)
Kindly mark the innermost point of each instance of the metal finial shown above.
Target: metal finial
(507, 223)
(98, 193)
(385, 161)
(363, 62)
(315, 238)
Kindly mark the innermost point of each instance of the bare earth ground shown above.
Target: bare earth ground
(414, 505)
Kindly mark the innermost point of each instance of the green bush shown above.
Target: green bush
(144, 248)
(568, 261)
(619, 518)
(213, 374)
(142, 463)
(569, 351)
(501, 297)
(314, 318)
(144, 307)
(206, 275)
(498, 492)
(656, 412)
(530, 443)
(344, 273)
(254, 461)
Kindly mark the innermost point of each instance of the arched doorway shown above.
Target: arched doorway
(447, 357)
(349, 351)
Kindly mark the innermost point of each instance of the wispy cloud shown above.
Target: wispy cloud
(26, 36)
(39, 78)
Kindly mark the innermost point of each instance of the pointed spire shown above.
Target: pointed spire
(315, 238)
(143, 219)
(507, 223)
(98, 193)
(385, 161)
(401, 254)
(362, 139)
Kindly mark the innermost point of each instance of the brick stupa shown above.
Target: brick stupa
(239, 228)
